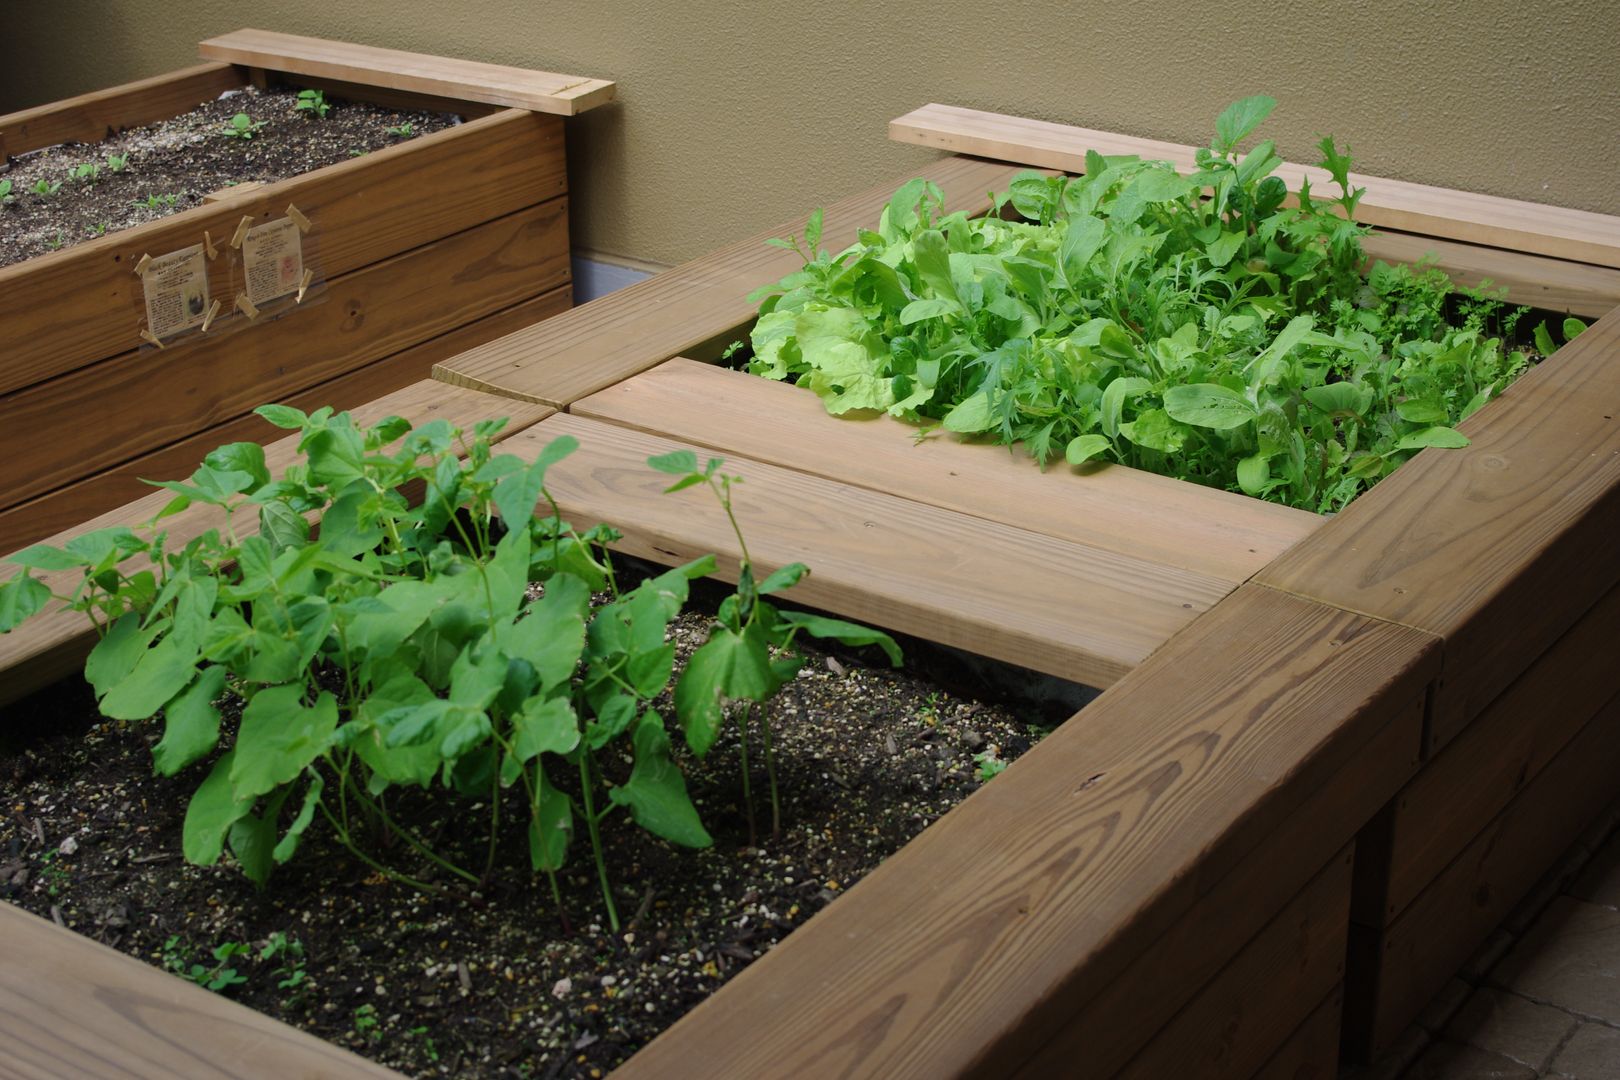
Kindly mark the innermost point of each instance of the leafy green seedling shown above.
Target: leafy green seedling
(242, 126)
(46, 188)
(402, 131)
(989, 765)
(88, 173)
(366, 1023)
(156, 202)
(313, 101)
(218, 976)
(117, 162)
(5, 193)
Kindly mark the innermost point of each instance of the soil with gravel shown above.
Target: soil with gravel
(169, 166)
(498, 983)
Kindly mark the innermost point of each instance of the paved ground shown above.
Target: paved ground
(1542, 999)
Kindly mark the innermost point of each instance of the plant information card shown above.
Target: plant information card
(176, 291)
(272, 260)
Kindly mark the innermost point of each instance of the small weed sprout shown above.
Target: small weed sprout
(242, 126)
(989, 765)
(313, 101)
(6, 197)
(117, 162)
(402, 131)
(45, 189)
(88, 173)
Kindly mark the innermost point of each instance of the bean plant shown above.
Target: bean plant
(1194, 325)
(400, 646)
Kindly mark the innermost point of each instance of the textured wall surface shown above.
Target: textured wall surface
(732, 117)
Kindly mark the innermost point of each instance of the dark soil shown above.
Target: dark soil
(173, 164)
(496, 984)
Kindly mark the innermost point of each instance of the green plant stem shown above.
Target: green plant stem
(596, 837)
(770, 771)
(405, 879)
(748, 796)
(411, 839)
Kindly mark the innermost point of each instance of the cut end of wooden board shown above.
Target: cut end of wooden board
(468, 80)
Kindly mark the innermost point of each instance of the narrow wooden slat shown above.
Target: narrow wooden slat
(628, 331)
(143, 400)
(1157, 985)
(1113, 508)
(389, 98)
(1413, 957)
(1399, 204)
(53, 644)
(89, 117)
(1247, 1012)
(71, 308)
(1312, 1052)
(1533, 280)
(966, 951)
(1480, 771)
(1497, 548)
(494, 84)
(1082, 614)
(60, 510)
(72, 1007)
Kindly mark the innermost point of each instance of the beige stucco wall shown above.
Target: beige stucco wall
(734, 117)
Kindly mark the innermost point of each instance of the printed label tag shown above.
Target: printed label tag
(176, 291)
(272, 260)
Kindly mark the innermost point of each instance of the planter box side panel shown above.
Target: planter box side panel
(89, 117)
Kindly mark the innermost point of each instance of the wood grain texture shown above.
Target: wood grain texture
(1017, 596)
(1248, 1011)
(73, 1008)
(143, 400)
(60, 510)
(53, 644)
(387, 97)
(1401, 967)
(71, 308)
(89, 118)
(969, 949)
(1479, 772)
(630, 330)
(1312, 1052)
(1535, 228)
(1111, 508)
(1534, 280)
(1232, 908)
(494, 84)
(1497, 548)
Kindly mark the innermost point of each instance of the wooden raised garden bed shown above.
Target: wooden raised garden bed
(414, 252)
(1331, 754)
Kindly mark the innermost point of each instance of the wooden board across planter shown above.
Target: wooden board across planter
(1178, 880)
(425, 249)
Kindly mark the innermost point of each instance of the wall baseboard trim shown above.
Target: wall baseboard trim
(596, 274)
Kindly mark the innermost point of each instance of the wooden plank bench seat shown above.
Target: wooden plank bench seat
(54, 643)
(700, 304)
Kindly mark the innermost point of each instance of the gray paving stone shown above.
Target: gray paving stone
(1512, 1026)
(1593, 1054)
(1454, 1061)
(1570, 959)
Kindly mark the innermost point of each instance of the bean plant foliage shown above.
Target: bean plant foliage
(1192, 325)
(397, 646)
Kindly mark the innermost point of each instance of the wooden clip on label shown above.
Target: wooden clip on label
(140, 267)
(245, 306)
(241, 231)
(150, 338)
(298, 218)
(303, 286)
(208, 319)
(208, 245)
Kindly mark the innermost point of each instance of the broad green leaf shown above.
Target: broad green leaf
(515, 496)
(728, 665)
(336, 456)
(931, 256)
(1082, 448)
(282, 526)
(253, 840)
(971, 415)
(21, 598)
(1572, 328)
(282, 416)
(1082, 239)
(190, 723)
(656, 791)
(1113, 401)
(213, 809)
(613, 718)
(783, 578)
(45, 557)
(848, 633)
(394, 764)
(467, 734)
(1444, 437)
(551, 826)
(1340, 398)
(246, 458)
(300, 824)
(1544, 340)
(279, 737)
(545, 726)
(1414, 411)
(1155, 430)
(676, 462)
(1239, 119)
(1225, 246)
(1208, 405)
(551, 635)
(930, 308)
(1254, 473)
(159, 674)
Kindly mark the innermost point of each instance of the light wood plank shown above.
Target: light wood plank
(1231, 909)
(630, 330)
(1497, 548)
(963, 953)
(1312, 1052)
(1412, 959)
(71, 308)
(1247, 1012)
(1113, 508)
(1398, 204)
(1533, 280)
(53, 644)
(147, 399)
(73, 1008)
(89, 117)
(1080, 613)
(494, 84)
(1479, 772)
(60, 510)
